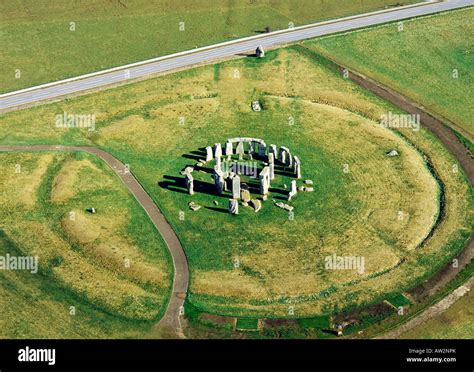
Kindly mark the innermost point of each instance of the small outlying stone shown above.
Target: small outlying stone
(90, 210)
(284, 206)
(392, 153)
(193, 206)
(256, 106)
(255, 204)
(216, 202)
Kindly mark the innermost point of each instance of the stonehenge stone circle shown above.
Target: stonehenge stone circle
(227, 173)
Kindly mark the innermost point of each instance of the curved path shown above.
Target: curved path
(140, 70)
(169, 325)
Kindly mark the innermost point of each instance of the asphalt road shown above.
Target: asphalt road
(169, 324)
(54, 91)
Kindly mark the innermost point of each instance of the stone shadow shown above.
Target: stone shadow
(222, 210)
(205, 188)
(246, 54)
(193, 157)
(174, 184)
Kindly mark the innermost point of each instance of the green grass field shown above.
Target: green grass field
(38, 44)
(418, 61)
(112, 267)
(156, 126)
(247, 324)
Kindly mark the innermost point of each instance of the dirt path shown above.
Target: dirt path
(431, 311)
(466, 160)
(170, 325)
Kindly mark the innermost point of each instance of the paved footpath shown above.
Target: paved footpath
(170, 323)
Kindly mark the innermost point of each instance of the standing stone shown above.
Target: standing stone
(218, 161)
(240, 150)
(273, 150)
(285, 155)
(219, 179)
(293, 190)
(271, 165)
(233, 206)
(264, 180)
(251, 150)
(208, 153)
(236, 187)
(217, 150)
(228, 149)
(297, 167)
(262, 149)
(189, 183)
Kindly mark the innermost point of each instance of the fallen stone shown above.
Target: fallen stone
(187, 170)
(309, 189)
(245, 195)
(193, 206)
(255, 204)
(284, 206)
(301, 188)
(308, 182)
